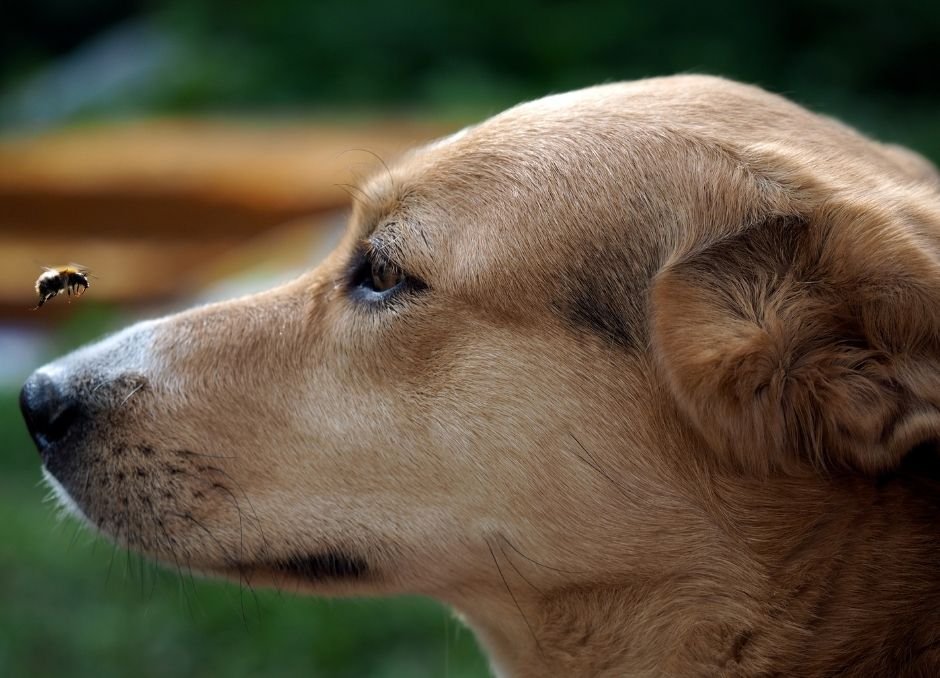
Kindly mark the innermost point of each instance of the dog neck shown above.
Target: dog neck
(798, 577)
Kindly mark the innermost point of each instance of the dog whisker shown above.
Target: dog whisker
(535, 562)
(522, 576)
(243, 578)
(133, 391)
(388, 172)
(127, 560)
(255, 517)
(349, 188)
(189, 453)
(238, 509)
(513, 597)
(77, 531)
(596, 466)
(107, 576)
(172, 551)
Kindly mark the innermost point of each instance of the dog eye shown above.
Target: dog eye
(384, 277)
(373, 278)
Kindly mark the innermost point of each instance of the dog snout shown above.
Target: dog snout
(50, 413)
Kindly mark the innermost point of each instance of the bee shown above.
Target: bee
(68, 279)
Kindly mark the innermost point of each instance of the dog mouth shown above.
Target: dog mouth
(321, 566)
(311, 568)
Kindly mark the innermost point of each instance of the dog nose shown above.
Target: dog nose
(48, 412)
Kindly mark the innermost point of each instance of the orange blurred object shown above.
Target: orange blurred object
(171, 196)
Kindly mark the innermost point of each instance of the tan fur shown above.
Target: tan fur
(669, 405)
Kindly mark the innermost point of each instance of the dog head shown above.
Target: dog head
(538, 340)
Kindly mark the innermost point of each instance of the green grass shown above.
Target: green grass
(72, 605)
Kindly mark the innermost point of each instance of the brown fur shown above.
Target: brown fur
(668, 406)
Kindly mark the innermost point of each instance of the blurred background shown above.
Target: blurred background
(192, 150)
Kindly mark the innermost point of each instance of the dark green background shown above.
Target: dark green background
(61, 612)
(873, 64)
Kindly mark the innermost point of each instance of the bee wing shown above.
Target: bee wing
(46, 268)
(84, 270)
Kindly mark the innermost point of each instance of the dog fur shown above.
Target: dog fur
(660, 396)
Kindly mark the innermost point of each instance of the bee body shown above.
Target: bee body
(69, 279)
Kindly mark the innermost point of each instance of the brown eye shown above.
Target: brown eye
(373, 279)
(385, 277)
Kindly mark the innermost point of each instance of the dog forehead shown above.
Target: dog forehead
(581, 195)
(519, 188)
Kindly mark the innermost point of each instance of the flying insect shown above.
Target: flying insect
(69, 279)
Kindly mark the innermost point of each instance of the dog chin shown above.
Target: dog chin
(64, 499)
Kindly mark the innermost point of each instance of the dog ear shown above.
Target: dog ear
(810, 339)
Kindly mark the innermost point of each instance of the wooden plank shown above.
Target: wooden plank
(124, 271)
(160, 209)
(147, 273)
(192, 178)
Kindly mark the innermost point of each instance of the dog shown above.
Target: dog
(641, 379)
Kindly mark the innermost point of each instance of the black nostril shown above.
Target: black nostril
(48, 413)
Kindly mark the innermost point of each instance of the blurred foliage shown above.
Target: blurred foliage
(873, 66)
(296, 51)
(33, 33)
